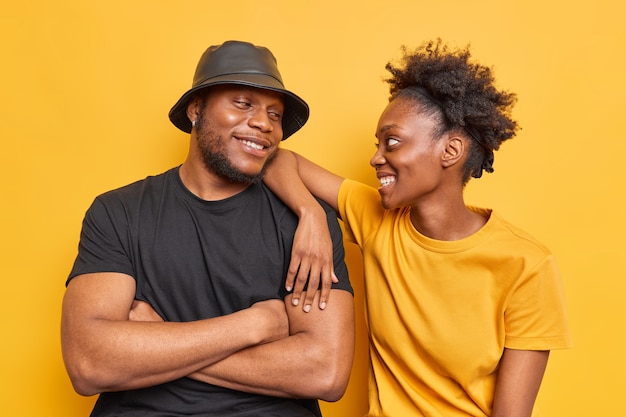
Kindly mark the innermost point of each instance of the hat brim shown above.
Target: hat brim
(296, 110)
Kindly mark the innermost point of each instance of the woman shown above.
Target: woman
(462, 307)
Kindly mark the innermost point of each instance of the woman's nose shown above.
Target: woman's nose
(378, 159)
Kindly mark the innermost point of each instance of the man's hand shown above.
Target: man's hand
(313, 362)
(276, 320)
(311, 259)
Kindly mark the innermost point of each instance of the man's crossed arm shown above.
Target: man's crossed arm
(271, 348)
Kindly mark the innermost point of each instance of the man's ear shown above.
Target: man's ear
(193, 108)
(453, 151)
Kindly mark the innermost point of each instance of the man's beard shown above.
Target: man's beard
(211, 144)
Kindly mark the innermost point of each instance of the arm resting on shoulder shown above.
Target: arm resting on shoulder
(311, 256)
(294, 178)
(104, 351)
(313, 362)
(517, 385)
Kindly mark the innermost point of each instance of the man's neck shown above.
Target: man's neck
(207, 185)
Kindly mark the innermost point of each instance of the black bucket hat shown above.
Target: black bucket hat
(241, 63)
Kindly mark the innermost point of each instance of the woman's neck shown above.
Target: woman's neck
(446, 221)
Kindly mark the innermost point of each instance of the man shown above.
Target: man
(176, 302)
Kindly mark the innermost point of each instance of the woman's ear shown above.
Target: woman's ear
(453, 151)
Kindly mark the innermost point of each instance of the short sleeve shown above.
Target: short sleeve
(361, 210)
(536, 317)
(103, 245)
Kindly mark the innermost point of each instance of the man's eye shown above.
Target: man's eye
(243, 103)
(392, 141)
(275, 115)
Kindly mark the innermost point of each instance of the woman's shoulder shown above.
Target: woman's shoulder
(517, 236)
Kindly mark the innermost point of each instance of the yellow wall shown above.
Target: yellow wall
(85, 87)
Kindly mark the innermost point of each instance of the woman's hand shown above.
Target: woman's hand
(311, 260)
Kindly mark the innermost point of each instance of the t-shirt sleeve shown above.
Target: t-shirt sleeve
(536, 317)
(360, 209)
(103, 241)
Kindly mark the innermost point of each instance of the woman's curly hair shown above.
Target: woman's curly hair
(460, 95)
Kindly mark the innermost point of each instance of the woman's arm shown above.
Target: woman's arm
(519, 378)
(295, 180)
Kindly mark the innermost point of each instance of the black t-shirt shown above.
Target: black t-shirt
(194, 259)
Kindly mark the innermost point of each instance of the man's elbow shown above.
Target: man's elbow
(331, 379)
(82, 379)
(334, 390)
(83, 388)
(87, 377)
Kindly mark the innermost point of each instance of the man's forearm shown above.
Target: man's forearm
(312, 362)
(104, 351)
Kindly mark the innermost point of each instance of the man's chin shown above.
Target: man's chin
(256, 176)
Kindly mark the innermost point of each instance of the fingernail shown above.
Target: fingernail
(294, 301)
(323, 306)
(307, 308)
(288, 288)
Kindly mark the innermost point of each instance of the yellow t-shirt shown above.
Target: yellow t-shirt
(440, 313)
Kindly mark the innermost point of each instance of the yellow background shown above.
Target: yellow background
(85, 87)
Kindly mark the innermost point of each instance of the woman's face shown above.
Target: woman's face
(407, 159)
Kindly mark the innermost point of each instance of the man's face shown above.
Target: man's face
(238, 131)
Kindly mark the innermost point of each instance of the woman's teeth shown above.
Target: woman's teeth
(385, 181)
